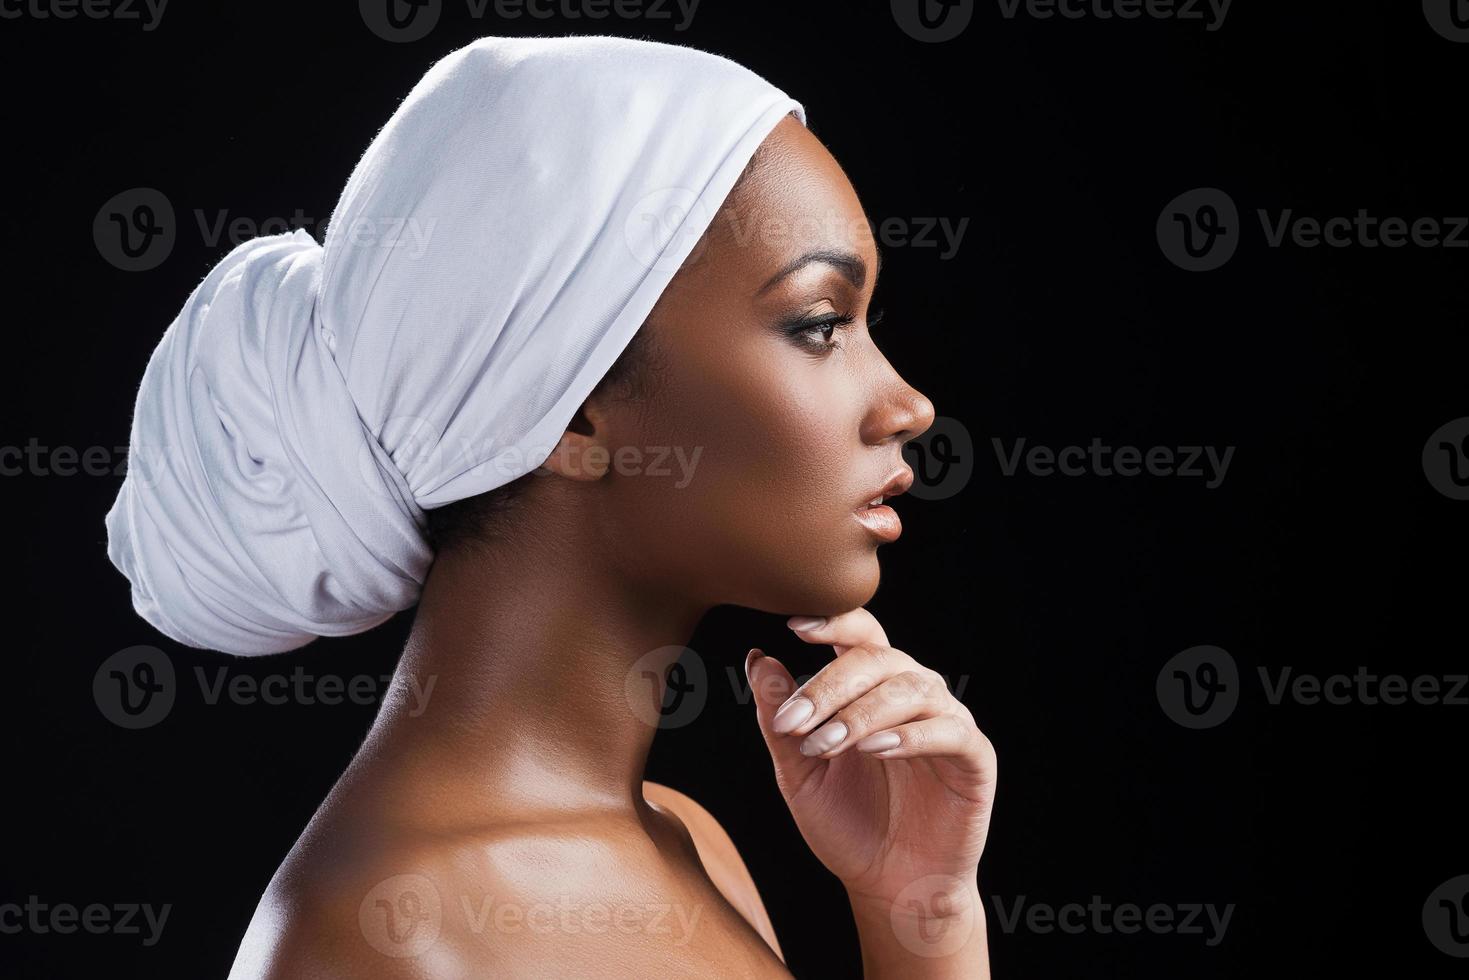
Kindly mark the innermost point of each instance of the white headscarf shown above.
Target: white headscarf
(495, 249)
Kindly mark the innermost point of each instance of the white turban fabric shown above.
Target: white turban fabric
(495, 249)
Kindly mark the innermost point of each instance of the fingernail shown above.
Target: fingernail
(750, 658)
(824, 739)
(804, 623)
(879, 741)
(791, 715)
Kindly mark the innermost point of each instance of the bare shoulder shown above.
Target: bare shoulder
(720, 857)
(526, 897)
(361, 918)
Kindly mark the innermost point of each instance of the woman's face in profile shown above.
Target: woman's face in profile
(781, 417)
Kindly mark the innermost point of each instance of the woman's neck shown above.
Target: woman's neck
(531, 682)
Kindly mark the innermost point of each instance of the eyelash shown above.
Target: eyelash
(833, 322)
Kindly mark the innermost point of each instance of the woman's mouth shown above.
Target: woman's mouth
(876, 516)
(881, 520)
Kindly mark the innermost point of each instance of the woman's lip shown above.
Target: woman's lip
(881, 521)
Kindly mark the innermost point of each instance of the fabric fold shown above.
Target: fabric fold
(496, 247)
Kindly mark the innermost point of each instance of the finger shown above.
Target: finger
(947, 736)
(908, 696)
(770, 684)
(852, 628)
(837, 685)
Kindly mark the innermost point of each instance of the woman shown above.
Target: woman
(561, 259)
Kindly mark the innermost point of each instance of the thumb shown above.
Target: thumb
(770, 685)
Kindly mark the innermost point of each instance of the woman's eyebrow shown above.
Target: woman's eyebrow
(848, 264)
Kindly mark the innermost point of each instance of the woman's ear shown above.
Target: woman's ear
(582, 452)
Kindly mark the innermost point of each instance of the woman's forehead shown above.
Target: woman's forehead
(796, 202)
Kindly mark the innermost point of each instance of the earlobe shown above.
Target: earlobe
(580, 454)
(578, 457)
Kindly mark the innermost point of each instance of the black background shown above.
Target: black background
(1054, 600)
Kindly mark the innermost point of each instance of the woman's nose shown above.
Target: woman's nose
(902, 413)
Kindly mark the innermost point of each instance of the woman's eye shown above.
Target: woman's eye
(819, 335)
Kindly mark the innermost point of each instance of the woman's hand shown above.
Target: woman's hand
(886, 773)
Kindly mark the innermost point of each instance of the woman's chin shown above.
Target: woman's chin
(811, 582)
(849, 583)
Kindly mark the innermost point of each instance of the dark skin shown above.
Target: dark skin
(498, 823)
